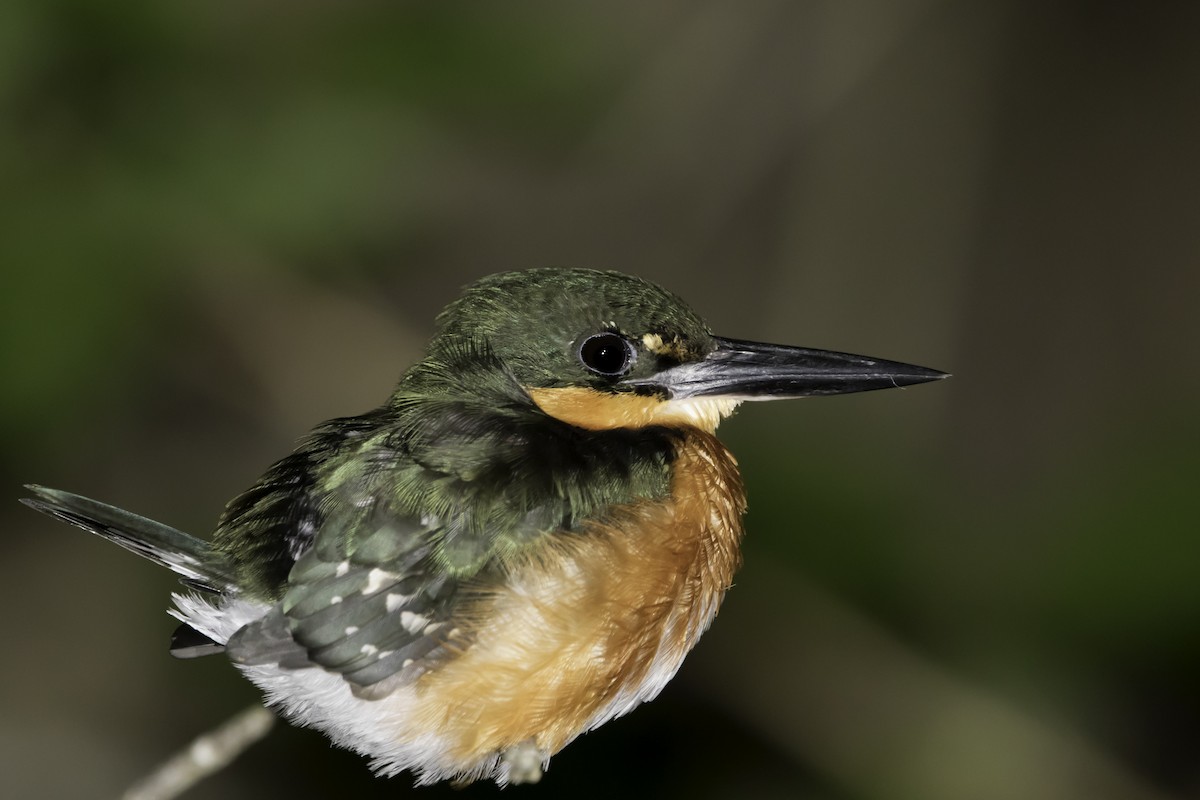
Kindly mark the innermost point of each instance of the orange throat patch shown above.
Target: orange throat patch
(593, 410)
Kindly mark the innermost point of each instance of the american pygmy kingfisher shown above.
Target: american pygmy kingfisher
(521, 544)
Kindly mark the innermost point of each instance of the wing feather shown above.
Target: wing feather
(409, 518)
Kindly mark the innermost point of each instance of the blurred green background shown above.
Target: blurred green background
(225, 222)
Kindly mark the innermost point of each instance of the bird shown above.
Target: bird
(522, 543)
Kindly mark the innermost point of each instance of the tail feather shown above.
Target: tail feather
(193, 559)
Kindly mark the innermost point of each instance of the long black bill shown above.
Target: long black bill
(757, 371)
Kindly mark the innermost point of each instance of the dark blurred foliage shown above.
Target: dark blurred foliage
(225, 222)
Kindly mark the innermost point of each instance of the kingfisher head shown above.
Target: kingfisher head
(603, 350)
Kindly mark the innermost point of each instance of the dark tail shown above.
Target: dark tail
(193, 559)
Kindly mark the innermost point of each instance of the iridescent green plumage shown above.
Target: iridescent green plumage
(456, 476)
(461, 441)
(524, 541)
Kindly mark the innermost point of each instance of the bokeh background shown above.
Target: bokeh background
(225, 222)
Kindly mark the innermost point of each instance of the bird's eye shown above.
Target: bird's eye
(606, 354)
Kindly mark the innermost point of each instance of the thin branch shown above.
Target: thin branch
(208, 754)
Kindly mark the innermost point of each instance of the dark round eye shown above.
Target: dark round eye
(606, 354)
